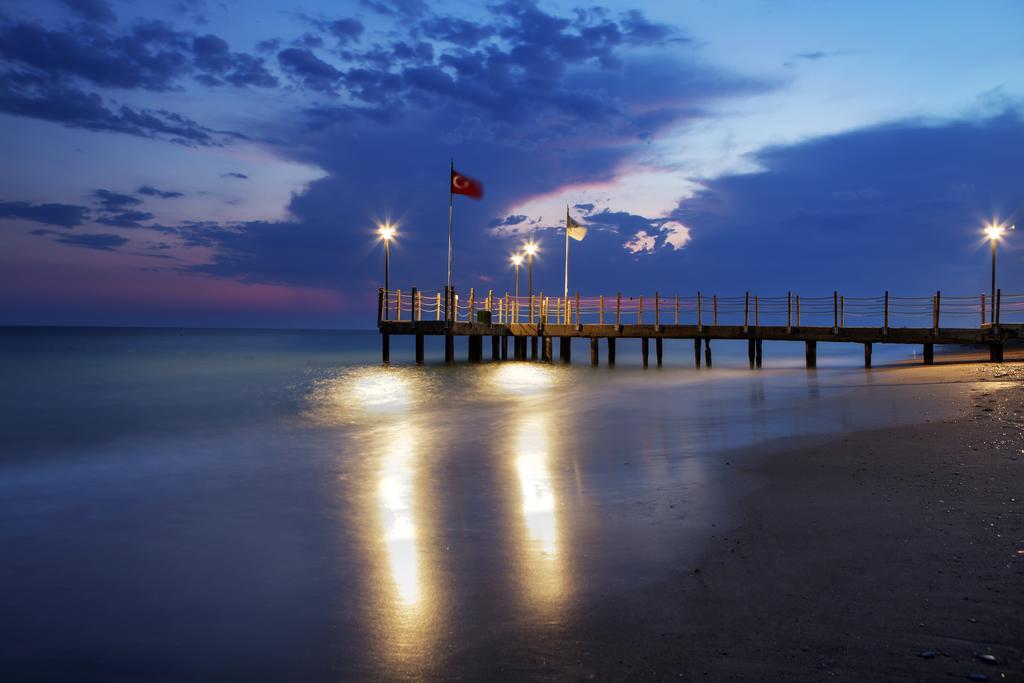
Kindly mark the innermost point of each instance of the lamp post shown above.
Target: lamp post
(530, 248)
(994, 231)
(387, 233)
(517, 260)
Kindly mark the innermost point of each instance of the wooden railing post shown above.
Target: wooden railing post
(789, 312)
(398, 304)
(640, 310)
(600, 310)
(677, 309)
(983, 308)
(885, 319)
(700, 326)
(798, 310)
(657, 309)
(437, 299)
(577, 308)
(618, 308)
(714, 310)
(757, 311)
(835, 312)
(415, 310)
(455, 305)
(999, 306)
(380, 306)
(935, 312)
(472, 303)
(842, 311)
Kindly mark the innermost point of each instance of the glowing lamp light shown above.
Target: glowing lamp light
(994, 232)
(387, 231)
(517, 259)
(530, 248)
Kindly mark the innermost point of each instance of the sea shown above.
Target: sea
(193, 504)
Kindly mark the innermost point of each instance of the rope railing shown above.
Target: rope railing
(749, 310)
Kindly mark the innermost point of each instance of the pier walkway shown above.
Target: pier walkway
(535, 321)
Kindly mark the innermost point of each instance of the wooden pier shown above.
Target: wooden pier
(535, 322)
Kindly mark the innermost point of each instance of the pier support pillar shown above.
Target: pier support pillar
(757, 353)
(476, 348)
(495, 347)
(750, 352)
(657, 349)
(696, 353)
(546, 350)
(811, 353)
(995, 352)
(645, 348)
(504, 347)
(867, 354)
(707, 353)
(419, 349)
(593, 351)
(565, 349)
(385, 348)
(449, 349)
(533, 348)
(519, 344)
(611, 351)
(929, 354)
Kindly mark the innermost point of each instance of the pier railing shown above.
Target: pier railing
(749, 310)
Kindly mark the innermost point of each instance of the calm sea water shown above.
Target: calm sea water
(190, 504)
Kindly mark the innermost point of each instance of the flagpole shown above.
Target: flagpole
(566, 293)
(451, 170)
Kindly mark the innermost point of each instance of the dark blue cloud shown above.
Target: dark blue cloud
(101, 241)
(114, 201)
(346, 30)
(893, 206)
(98, 11)
(125, 219)
(151, 191)
(457, 31)
(234, 174)
(309, 70)
(63, 215)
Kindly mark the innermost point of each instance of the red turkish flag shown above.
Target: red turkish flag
(465, 185)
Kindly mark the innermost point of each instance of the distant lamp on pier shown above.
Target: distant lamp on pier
(531, 248)
(994, 232)
(517, 260)
(387, 233)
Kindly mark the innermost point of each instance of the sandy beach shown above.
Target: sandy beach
(894, 554)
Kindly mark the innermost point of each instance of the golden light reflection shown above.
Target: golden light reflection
(381, 392)
(535, 483)
(395, 491)
(541, 556)
(522, 379)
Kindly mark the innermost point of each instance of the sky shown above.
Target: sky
(225, 164)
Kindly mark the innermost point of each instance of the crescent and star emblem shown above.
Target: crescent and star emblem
(459, 182)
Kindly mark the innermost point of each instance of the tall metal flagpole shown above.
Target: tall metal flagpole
(566, 292)
(451, 170)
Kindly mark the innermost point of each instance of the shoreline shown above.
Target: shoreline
(896, 557)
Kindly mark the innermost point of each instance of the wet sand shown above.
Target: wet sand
(895, 554)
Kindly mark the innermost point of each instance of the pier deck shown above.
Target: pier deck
(613, 318)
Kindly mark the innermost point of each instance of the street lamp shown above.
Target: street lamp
(387, 233)
(994, 231)
(530, 248)
(517, 260)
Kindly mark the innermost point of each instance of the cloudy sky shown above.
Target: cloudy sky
(225, 163)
